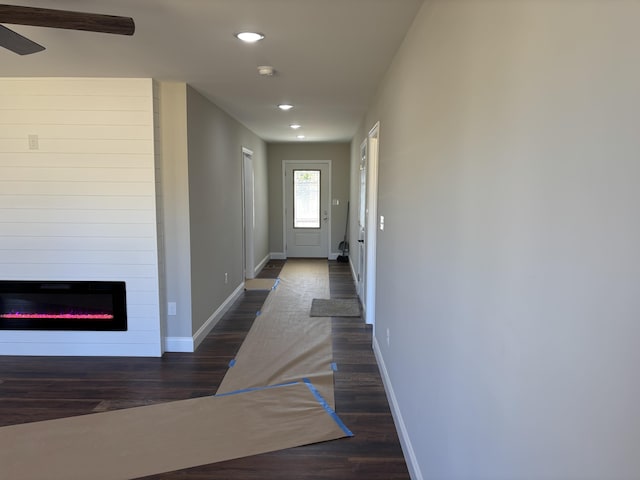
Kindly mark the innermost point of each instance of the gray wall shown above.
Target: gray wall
(339, 153)
(200, 193)
(509, 266)
(215, 142)
(173, 218)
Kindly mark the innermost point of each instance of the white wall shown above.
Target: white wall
(82, 206)
(508, 269)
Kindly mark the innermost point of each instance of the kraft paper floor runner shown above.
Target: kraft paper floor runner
(284, 346)
(141, 441)
(260, 283)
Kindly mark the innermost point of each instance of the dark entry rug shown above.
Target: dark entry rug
(337, 307)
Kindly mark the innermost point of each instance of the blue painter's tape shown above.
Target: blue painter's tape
(326, 406)
(277, 282)
(258, 313)
(232, 363)
(255, 389)
(334, 366)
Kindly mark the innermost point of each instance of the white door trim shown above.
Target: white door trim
(362, 215)
(248, 213)
(372, 223)
(285, 163)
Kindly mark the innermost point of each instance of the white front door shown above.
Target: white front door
(306, 199)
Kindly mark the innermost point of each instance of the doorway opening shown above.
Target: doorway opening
(367, 224)
(362, 216)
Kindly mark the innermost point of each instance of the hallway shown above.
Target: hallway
(39, 388)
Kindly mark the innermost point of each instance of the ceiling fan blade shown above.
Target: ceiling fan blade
(45, 17)
(17, 43)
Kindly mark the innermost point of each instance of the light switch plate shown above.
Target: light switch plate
(34, 142)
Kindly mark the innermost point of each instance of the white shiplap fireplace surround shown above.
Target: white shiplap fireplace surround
(78, 202)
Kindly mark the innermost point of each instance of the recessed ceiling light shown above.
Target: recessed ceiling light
(266, 70)
(285, 106)
(301, 137)
(249, 37)
(295, 126)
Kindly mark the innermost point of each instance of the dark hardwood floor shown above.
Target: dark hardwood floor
(42, 388)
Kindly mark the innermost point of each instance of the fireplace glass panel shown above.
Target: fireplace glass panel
(32, 305)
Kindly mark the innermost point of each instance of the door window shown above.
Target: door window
(306, 199)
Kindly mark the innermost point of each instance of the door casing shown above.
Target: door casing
(248, 213)
(305, 164)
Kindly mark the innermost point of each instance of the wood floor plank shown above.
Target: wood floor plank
(43, 388)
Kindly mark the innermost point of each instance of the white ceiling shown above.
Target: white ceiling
(329, 55)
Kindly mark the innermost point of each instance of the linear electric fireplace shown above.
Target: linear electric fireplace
(89, 306)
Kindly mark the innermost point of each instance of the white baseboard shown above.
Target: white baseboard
(190, 344)
(405, 441)
(204, 330)
(261, 265)
(283, 256)
(353, 272)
